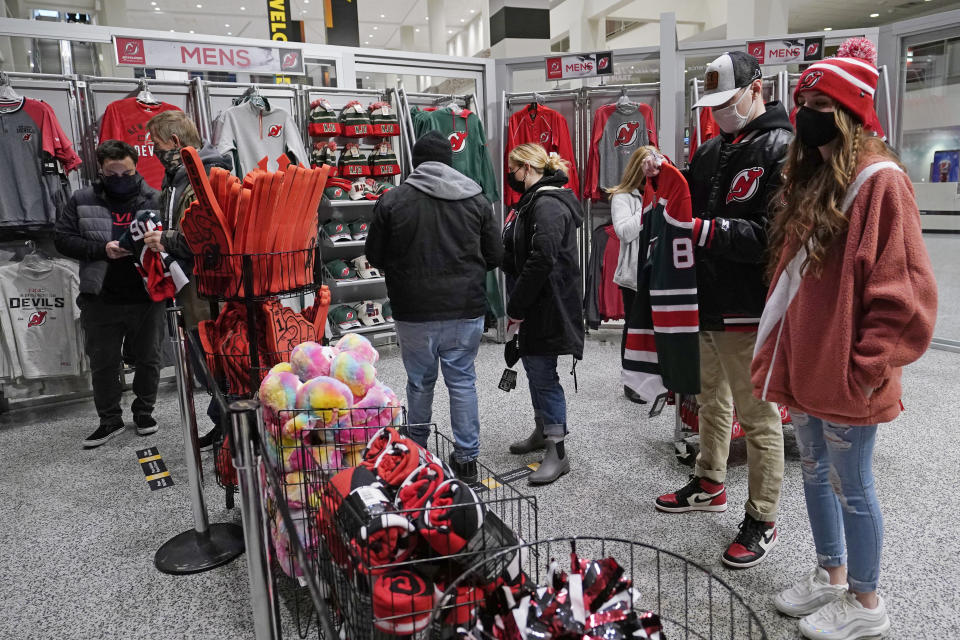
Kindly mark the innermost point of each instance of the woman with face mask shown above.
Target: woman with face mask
(852, 300)
(544, 306)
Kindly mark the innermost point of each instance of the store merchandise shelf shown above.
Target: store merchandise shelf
(388, 326)
(329, 244)
(353, 283)
(346, 204)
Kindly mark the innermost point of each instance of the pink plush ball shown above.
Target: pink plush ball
(326, 398)
(359, 346)
(279, 390)
(281, 367)
(310, 359)
(354, 372)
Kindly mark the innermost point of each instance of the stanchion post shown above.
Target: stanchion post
(244, 415)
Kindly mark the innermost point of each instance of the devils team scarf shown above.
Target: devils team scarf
(418, 488)
(162, 276)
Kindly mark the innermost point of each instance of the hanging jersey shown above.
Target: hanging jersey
(162, 275)
(662, 347)
(251, 135)
(708, 128)
(618, 131)
(31, 141)
(126, 120)
(548, 128)
(468, 141)
(38, 319)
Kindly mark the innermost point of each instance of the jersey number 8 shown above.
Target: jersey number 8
(682, 253)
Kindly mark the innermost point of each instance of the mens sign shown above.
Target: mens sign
(580, 66)
(170, 54)
(783, 51)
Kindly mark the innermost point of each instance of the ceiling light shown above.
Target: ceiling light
(828, 28)
(199, 6)
(366, 42)
(243, 8)
(473, 10)
(382, 16)
(375, 27)
(428, 18)
(191, 31)
(417, 29)
(229, 33)
(153, 4)
(226, 25)
(156, 8)
(874, 15)
(449, 31)
(462, 20)
(171, 30)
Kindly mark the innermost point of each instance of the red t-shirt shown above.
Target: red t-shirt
(126, 120)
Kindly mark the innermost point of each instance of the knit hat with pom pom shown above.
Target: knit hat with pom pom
(850, 78)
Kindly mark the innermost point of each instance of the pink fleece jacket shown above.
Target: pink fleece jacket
(871, 312)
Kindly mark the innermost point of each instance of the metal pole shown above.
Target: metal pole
(205, 546)
(244, 415)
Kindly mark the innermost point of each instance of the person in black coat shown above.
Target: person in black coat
(544, 305)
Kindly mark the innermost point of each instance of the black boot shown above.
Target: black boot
(555, 463)
(534, 442)
(632, 396)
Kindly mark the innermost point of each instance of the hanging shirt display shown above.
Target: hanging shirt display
(31, 141)
(541, 124)
(126, 120)
(39, 318)
(467, 138)
(708, 129)
(618, 130)
(250, 134)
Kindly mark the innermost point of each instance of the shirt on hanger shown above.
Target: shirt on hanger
(545, 126)
(251, 134)
(126, 120)
(618, 131)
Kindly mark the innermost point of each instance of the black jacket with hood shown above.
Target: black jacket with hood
(732, 180)
(543, 268)
(435, 238)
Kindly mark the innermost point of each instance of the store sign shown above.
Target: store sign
(170, 54)
(342, 22)
(784, 51)
(282, 28)
(580, 66)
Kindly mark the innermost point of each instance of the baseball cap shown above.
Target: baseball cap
(337, 231)
(364, 269)
(344, 317)
(340, 270)
(358, 229)
(386, 310)
(726, 75)
(370, 313)
(335, 192)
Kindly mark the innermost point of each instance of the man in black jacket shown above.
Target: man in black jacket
(733, 178)
(114, 304)
(435, 238)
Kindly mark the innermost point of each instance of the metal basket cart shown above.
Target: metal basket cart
(313, 539)
(690, 600)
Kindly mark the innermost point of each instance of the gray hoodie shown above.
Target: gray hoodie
(442, 181)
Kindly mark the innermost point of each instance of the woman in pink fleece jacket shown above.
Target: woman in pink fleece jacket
(852, 300)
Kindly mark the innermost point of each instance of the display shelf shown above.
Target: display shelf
(388, 326)
(347, 204)
(329, 244)
(353, 283)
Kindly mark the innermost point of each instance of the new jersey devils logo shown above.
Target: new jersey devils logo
(37, 319)
(275, 131)
(289, 61)
(603, 63)
(131, 48)
(626, 134)
(27, 137)
(458, 139)
(545, 137)
(756, 50)
(812, 49)
(744, 185)
(811, 79)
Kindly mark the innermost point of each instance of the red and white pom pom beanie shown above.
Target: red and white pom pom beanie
(850, 78)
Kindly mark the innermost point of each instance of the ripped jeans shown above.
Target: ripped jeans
(841, 498)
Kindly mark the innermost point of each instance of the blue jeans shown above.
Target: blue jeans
(841, 498)
(549, 403)
(454, 344)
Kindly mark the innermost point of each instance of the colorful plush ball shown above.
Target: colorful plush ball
(353, 454)
(309, 360)
(326, 398)
(327, 457)
(357, 374)
(300, 489)
(377, 409)
(359, 346)
(295, 427)
(279, 390)
(281, 367)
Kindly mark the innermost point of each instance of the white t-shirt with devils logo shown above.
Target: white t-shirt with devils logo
(39, 319)
(252, 134)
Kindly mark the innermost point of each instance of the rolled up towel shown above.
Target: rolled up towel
(399, 460)
(418, 488)
(402, 602)
(378, 443)
(451, 517)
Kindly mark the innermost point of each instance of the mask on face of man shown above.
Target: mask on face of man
(121, 186)
(170, 159)
(729, 118)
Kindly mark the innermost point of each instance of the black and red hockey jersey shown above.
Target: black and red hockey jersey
(618, 131)
(543, 125)
(162, 276)
(662, 347)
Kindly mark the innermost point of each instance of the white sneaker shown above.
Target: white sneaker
(808, 595)
(846, 619)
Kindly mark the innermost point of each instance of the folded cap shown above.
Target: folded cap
(726, 75)
(364, 269)
(340, 270)
(344, 317)
(337, 231)
(370, 313)
(358, 229)
(335, 192)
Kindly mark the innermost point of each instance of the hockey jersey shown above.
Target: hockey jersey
(541, 124)
(126, 120)
(467, 138)
(708, 128)
(250, 134)
(162, 275)
(661, 351)
(39, 319)
(618, 131)
(31, 141)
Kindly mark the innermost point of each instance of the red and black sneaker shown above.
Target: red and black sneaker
(699, 494)
(752, 544)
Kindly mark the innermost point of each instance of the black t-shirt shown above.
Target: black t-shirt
(122, 283)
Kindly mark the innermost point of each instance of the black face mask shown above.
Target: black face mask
(122, 186)
(816, 128)
(517, 185)
(170, 159)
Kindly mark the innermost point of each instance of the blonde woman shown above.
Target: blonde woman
(852, 301)
(544, 294)
(626, 208)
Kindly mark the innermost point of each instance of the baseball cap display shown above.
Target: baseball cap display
(336, 192)
(337, 231)
(387, 311)
(726, 75)
(344, 317)
(370, 313)
(364, 269)
(340, 270)
(358, 229)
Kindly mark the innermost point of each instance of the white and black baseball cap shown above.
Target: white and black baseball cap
(370, 313)
(726, 75)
